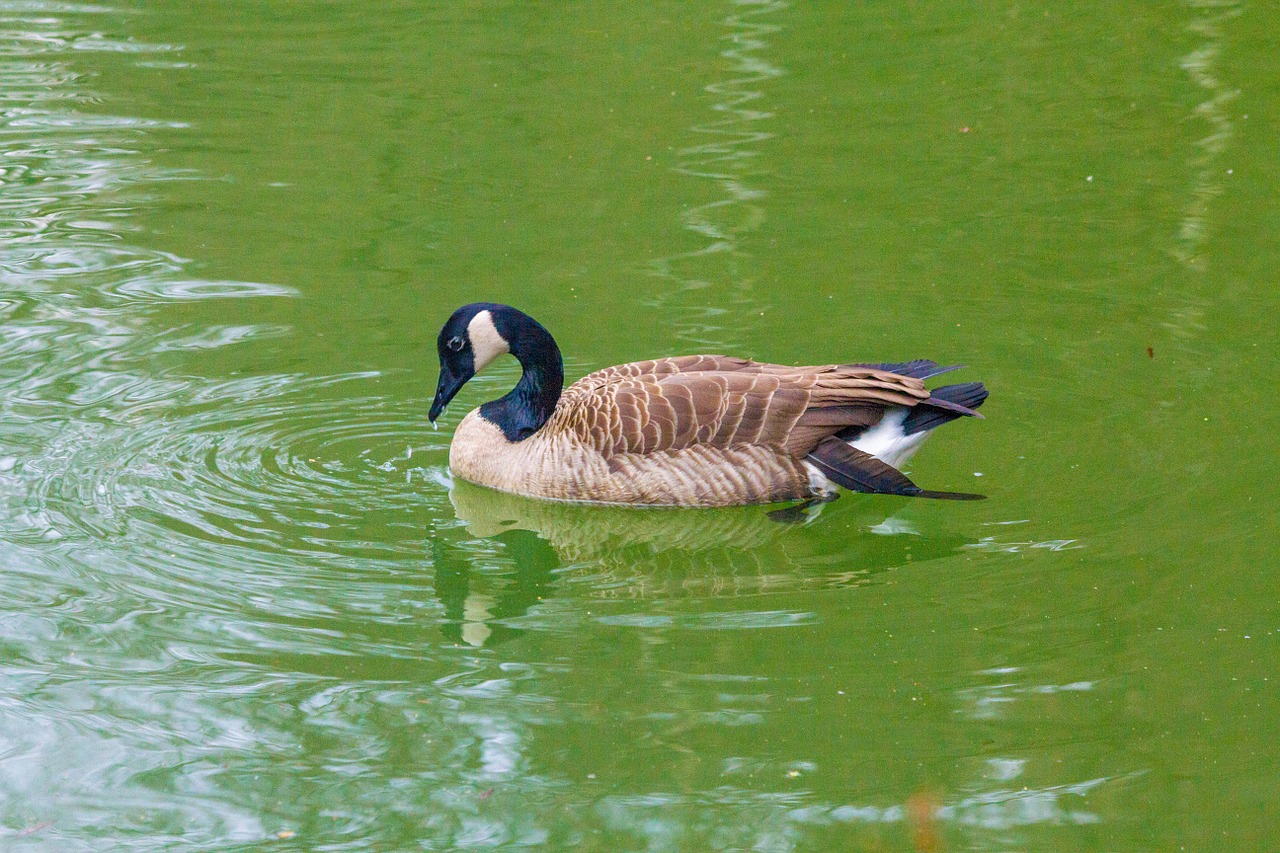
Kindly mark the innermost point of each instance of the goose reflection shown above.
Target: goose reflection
(630, 553)
(476, 603)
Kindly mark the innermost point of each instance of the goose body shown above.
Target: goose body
(698, 430)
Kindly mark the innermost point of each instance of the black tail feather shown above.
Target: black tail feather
(945, 404)
(862, 472)
(920, 368)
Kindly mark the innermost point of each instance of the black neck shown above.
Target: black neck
(527, 407)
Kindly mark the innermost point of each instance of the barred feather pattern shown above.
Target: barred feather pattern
(701, 430)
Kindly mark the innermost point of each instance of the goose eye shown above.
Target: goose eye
(455, 343)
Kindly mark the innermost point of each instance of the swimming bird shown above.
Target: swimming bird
(692, 430)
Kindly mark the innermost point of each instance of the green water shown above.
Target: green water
(244, 610)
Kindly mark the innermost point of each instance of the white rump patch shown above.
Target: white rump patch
(486, 343)
(886, 440)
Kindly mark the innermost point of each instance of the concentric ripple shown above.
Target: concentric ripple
(277, 464)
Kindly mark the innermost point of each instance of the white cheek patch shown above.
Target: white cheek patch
(486, 343)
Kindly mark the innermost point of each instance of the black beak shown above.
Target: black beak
(448, 386)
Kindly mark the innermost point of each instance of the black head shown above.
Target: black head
(467, 343)
(478, 333)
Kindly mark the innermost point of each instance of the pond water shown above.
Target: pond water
(244, 606)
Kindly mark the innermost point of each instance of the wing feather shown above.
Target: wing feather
(718, 401)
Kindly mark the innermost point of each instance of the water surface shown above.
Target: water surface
(245, 605)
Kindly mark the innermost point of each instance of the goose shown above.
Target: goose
(692, 430)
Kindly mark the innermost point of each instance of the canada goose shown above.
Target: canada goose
(694, 430)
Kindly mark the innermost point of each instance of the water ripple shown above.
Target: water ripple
(727, 159)
(253, 462)
(169, 289)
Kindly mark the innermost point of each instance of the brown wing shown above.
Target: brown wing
(672, 404)
(850, 396)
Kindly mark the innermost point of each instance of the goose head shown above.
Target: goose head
(477, 334)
